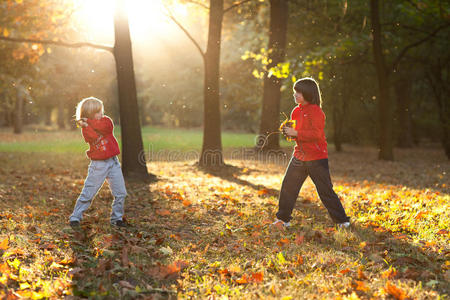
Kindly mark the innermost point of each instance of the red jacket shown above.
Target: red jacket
(99, 135)
(310, 124)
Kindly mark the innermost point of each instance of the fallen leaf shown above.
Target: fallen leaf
(283, 242)
(361, 275)
(345, 271)
(390, 273)
(257, 277)
(4, 244)
(124, 256)
(126, 284)
(242, 280)
(163, 212)
(395, 291)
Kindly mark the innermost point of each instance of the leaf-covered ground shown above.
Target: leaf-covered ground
(199, 234)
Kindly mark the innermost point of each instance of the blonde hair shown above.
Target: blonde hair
(88, 107)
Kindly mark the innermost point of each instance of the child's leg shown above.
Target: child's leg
(292, 182)
(96, 176)
(117, 186)
(320, 175)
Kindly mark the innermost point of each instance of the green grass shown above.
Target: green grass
(154, 138)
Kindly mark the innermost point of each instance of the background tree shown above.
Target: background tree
(270, 119)
(211, 153)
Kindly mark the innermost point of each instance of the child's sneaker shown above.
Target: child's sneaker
(280, 224)
(75, 225)
(119, 223)
(344, 225)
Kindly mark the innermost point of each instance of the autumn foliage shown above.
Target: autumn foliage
(198, 234)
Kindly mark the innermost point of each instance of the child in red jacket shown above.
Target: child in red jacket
(310, 156)
(97, 131)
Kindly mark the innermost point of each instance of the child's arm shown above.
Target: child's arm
(103, 126)
(89, 134)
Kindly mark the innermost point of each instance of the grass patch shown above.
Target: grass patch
(154, 139)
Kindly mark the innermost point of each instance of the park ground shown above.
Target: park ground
(206, 234)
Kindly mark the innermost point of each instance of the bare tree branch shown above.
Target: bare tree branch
(197, 45)
(235, 5)
(417, 43)
(58, 43)
(197, 3)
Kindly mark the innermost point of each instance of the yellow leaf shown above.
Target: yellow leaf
(272, 290)
(4, 244)
(25, 285)
(5, 32)
(19, 1)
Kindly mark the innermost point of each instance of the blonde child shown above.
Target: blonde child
(97, 130)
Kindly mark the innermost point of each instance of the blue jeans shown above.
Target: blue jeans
(98, 171)
(295, 176)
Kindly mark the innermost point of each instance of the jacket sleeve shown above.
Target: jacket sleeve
(314, 126)
(103, 126)
(89, 134)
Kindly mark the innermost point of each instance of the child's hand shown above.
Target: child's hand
(98, 116)
(82, 122)
(289, 131)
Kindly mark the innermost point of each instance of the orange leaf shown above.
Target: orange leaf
(4, 244)
(186, 202)
(299, 260)
(361, 274)
(67, 261)
(163, 212)
(391, 273)
(394, 291)
(263, 192)
(442, 231)
(283, 242)
(257, 277)
(360, 286)
(242, 280)
(345, 271)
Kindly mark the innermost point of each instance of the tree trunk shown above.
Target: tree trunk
(212, 143)
(384, 103)
(61, 115)
(133, 155)
(403, 95)
(337, 130)
(441, 92)
(18, 109)
(48, 115)
(271, 96)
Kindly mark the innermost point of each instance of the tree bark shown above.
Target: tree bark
(384, 103)
(133, 155)
(271, 95)
(18, 109)
(403, 95)
(61, 115)
(441, 92)
(211, 154)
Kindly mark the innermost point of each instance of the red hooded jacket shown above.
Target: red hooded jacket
(99, 135)
(310, 124)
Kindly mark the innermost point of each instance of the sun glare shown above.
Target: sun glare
(144, 16)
